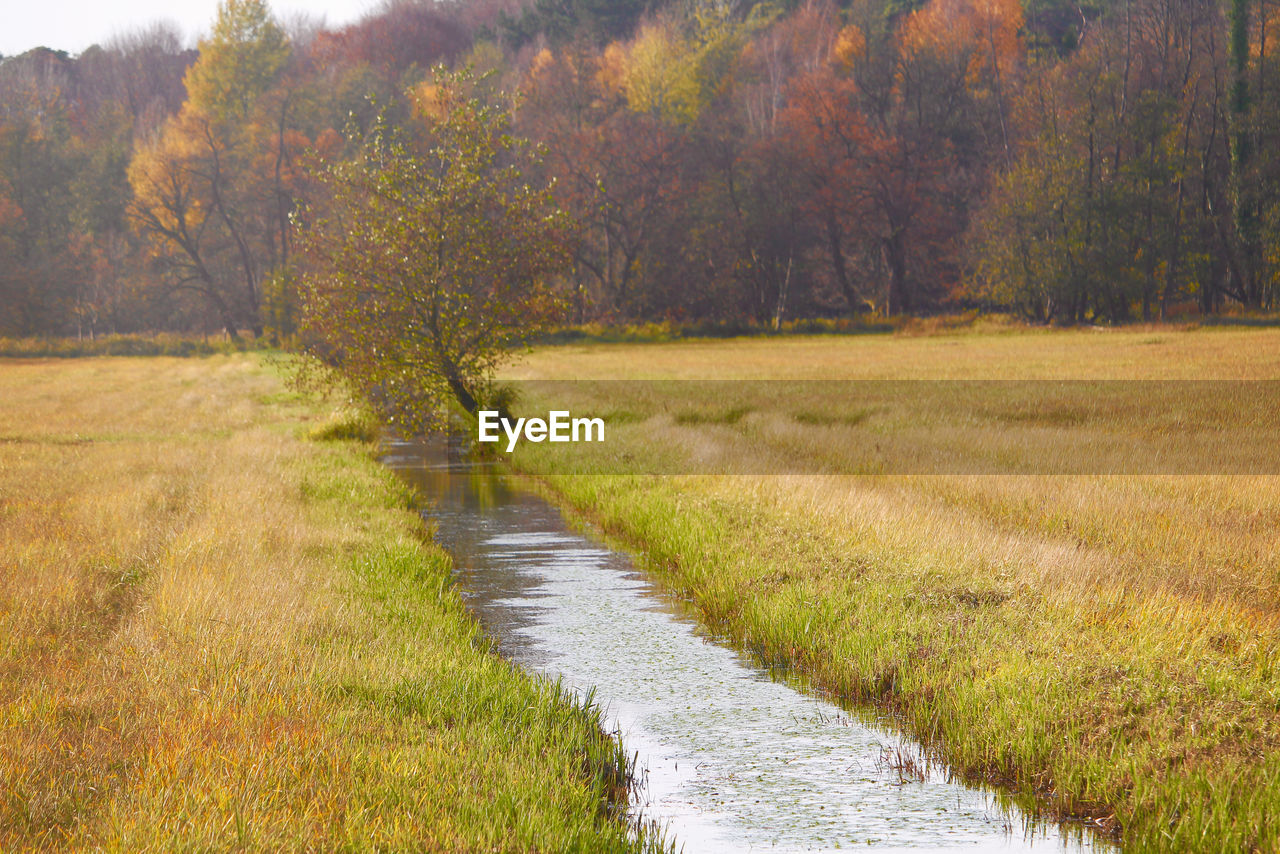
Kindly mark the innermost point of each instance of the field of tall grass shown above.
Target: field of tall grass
(219, 632)
(1107, 645)
(156, 344)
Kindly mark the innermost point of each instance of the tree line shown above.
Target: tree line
(720, 160)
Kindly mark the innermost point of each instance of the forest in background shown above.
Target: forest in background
(720, 160)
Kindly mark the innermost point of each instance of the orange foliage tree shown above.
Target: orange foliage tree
(895, 142)
(214, 189)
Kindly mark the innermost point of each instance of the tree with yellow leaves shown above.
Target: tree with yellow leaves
(212, 191)
(427, 256)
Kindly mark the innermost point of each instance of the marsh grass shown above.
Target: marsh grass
(668, 331)
(732, 415)
(347, 424)
(157, 344)
(908, 766)
(217, 634)
(1106, 644)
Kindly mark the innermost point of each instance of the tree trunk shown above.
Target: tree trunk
(838, 264)
(1243, 193)
(462, 394)
(898, 299)
(224, 314)
(781, 307)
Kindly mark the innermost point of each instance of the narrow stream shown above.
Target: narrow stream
(733, 760)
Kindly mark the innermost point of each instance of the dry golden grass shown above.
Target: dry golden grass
(214, 633)
(1109, 642)
(1155, 353)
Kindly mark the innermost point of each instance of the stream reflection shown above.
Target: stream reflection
(733, 760)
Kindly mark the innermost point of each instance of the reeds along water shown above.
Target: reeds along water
(727, 757)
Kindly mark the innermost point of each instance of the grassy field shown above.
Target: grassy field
(1108, 644)
(216, 632)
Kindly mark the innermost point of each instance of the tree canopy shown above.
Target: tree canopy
(428, 255)
(742, 162)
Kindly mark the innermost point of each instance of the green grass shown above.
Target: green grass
(635, 333)
(152, 344)
(216, 633)
(1105, 645)
(347, 424)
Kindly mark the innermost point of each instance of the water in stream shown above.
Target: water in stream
(733, 760)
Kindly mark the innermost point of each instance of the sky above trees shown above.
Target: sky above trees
(73, 25)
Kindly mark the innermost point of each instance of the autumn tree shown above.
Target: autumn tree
(616, 171)
(771, 199)
(897, 142)
(1109, 211)
(67, 131)
(562, 21)
(427, 256)
(211, 191)
(38, 166)
(403, 36)
(738, 161)
(1248, 235)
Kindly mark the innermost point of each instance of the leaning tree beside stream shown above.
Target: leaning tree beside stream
(427, 256)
